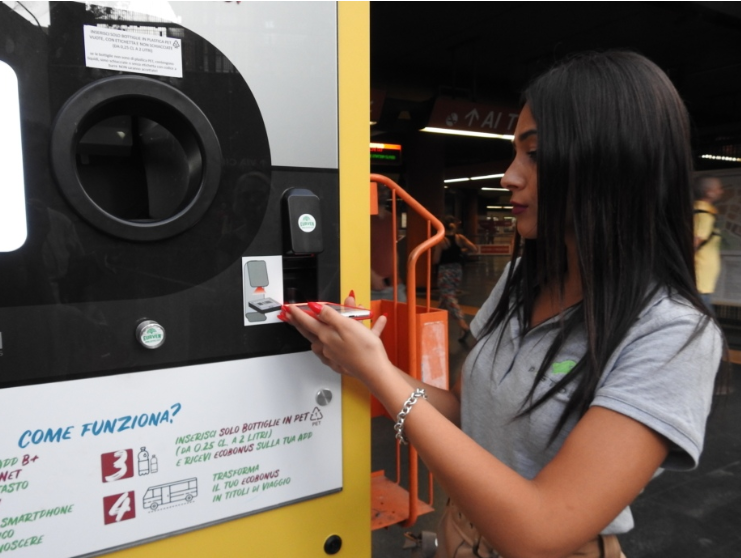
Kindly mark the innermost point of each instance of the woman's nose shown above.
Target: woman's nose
(511, 179)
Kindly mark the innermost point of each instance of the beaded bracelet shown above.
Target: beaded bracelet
(405, 410)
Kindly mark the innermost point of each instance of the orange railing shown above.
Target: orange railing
(398, 509)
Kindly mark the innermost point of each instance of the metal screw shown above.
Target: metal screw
(324, 397)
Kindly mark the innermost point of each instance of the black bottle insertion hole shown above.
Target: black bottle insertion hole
(136, 169)
(136, 157)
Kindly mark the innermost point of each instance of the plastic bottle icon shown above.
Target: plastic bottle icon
(143, 461)
(153, 467)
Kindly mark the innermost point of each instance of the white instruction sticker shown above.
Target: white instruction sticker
(124, 51)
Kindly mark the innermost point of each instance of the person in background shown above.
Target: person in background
(595, 358)
(383, 245)
(449, 255)
(708, 190)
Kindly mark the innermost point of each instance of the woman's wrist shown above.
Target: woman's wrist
(379, 375)
(415, 396)
(391, 387)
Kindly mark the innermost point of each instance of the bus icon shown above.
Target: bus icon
(170, 493)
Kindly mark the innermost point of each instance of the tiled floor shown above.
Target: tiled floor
(695, 514)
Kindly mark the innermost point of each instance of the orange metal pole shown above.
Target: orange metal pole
(412, 311)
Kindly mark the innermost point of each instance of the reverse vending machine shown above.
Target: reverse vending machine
(171, 178)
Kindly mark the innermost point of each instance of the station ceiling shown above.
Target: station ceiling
(486, 52)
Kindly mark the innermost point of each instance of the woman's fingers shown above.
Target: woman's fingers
(379, 325)
(304, 322)
(318, 350)
(319, 328)
(343, 344)
(303, 331)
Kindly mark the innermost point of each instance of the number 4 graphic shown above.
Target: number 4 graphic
(118, 507)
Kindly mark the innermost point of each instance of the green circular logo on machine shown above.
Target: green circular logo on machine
(150, 334)
(306, 223)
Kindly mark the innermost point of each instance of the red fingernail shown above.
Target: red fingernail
(315, 307)
(385, 315)
(285, 308)
(352, 294)
(282, 317)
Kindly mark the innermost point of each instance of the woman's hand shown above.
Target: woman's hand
(343, 344)
(350, 348)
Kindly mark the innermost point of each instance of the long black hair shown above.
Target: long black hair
(614, 165)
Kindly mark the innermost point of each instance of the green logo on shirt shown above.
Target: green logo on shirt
(563, 367)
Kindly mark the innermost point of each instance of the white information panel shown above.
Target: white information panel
(124, 51)
(93, 465)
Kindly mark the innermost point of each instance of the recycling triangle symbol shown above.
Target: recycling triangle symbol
(316, 414)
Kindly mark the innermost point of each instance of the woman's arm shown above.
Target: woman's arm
(360, 353)
(447, 403)
(437, 250)
(463, 242)
(604, 464)
(607, 460)
(703, 227)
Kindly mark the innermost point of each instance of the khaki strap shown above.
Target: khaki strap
(611, 547)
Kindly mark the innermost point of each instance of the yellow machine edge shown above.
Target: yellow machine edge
(300, 530)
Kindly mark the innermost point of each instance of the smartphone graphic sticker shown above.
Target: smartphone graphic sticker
(262, 289)
(257, 272)
(265, 305)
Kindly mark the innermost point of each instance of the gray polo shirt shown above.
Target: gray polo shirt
(654, 377)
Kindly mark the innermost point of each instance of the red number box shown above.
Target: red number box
(117, 465)
(119, 507)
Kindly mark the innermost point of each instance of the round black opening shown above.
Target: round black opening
(135, 169)
(136, 157)
(333, 544)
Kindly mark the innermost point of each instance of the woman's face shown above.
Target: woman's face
(521, 178)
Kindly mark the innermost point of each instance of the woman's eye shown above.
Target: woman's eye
(533, 155)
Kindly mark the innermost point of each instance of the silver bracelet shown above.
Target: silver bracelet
(405, 410)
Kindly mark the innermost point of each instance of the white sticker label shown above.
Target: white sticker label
(306, 223)
(125, 51)
(12, 190)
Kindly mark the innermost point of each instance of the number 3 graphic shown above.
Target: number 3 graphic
(120, 465)
(117, 465)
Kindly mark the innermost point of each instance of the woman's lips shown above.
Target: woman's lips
(518, 208)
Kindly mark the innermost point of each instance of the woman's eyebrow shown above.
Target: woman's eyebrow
(524, 135)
